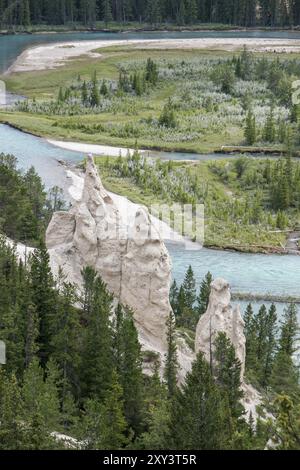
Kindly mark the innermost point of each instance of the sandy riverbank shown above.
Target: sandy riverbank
(95, 149)
(54, 55)
(108, 150)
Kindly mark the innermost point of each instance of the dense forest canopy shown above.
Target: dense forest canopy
(74, 366)
(234, 12)
(25, 206)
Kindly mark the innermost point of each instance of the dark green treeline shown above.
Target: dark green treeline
(235, 12)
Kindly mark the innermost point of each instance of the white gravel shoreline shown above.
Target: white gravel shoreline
(55, 55)
(95, 149)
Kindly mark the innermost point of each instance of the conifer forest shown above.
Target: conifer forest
(121, 329)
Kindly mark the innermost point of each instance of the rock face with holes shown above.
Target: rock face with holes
(221, 316)
(132, 259)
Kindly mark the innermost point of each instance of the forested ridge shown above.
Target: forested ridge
(75, 365)
(74, 368)
(233, 12)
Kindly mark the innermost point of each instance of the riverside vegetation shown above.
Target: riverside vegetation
(170, 100)
(191, 102)
(250, 203)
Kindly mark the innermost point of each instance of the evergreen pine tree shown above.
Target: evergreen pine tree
(128, 363)
(90, 424)
(11, 411)
(189, 288)
(41, 405)
(227, 371)
(36, 192)
(171, 361)
(104, 89)
(203, 297)
(104, 425)
(286, 429)
(197, 414)
(191, 11)
(271, 332)
(181, 308)
(113, 422)
(95, 96)
(250, 128)
(43, 299)
(84, 93)
(65, 338)
(181, 13)
(250, 331)
(174, 297)
(289, 330)
(25, 13)
(96, 356)
(137, 84)
(151, 72)
(89, 277)
(285, 376)
(153, 11)
(157, 414)
(107, 11)
(31, 334)
(269, 133)
(246, 64)
(167, 117)
(61, 95)
(186, 301)
(261, 321)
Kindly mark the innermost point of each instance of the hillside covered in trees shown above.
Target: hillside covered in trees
(75, 370)
(75, 367)
(248, 13)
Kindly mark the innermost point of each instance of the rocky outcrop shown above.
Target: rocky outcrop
(221, 316)
(131, 258)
